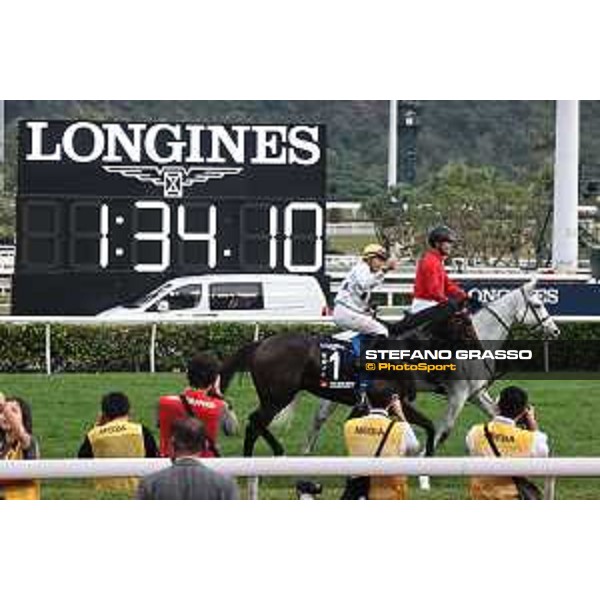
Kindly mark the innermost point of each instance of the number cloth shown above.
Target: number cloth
(362, 437)
(511, 441)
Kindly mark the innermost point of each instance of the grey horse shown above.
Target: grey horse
(521, 306)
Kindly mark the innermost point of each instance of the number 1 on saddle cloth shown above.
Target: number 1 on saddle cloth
(340, 363)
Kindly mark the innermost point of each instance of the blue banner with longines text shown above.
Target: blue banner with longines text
(562, 298)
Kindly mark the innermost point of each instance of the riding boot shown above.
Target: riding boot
(374, 341)
(369, 344)
(363, 378)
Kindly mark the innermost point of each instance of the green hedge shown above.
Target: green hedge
(578, 348)
(125, 348)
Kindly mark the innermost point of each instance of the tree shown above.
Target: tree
(7, 211)
(497, 219)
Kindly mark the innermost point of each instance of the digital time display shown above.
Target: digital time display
(150, 236)
(96, 229)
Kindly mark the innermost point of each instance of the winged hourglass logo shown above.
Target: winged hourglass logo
(173, 180)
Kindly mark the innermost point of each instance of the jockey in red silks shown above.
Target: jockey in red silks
(436, 298)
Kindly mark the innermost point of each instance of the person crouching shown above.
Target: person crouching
(513, 433)
(382, 432)
(116, 436)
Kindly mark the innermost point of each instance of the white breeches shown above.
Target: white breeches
(350, 319)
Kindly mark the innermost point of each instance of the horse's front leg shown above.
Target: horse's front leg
(458, 394)
(325, 410)
(417, 418)
(486, 403)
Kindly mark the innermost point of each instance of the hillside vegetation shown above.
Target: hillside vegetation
(514, 137)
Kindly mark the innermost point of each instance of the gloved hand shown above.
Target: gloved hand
(474, 303)
(373, 309)
(454, 303)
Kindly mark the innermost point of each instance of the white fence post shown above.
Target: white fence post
(253, 484)
(48, 347)
(549, 488)
(153, 348)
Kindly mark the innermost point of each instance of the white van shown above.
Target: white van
(229, 296)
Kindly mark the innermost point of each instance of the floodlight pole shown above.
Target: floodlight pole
(393, 147)
(566, 187)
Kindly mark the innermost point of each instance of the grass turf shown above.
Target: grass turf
(65, 406)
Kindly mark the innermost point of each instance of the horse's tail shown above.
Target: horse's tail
(240, 361)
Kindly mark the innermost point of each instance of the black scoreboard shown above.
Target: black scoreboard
(108, 211)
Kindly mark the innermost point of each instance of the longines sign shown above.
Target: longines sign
(562, 298)
(172, 160)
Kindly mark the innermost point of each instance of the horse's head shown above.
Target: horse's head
(533, 312)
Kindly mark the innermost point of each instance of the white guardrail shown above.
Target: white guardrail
(325, 466)
(155, 321)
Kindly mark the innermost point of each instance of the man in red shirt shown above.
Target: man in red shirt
(202, 400)
(436, 298)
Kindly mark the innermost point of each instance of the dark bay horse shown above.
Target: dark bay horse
(493, 323)
(285, 364)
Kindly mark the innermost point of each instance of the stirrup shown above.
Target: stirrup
(363, 398)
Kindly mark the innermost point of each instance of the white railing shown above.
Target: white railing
(351, 228)
(406, 273)
(154, 321)
(324, 466)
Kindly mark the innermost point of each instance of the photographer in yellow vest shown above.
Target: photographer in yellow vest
(116, 436)
(514, 433)
(365, 435)
(17, 442)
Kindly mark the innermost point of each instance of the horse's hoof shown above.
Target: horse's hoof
(307, 490)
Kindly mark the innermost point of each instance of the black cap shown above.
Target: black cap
(442, 233)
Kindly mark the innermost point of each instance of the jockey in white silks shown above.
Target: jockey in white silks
(352, 309)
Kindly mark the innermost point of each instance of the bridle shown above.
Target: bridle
(539, 325)
(528, 306)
